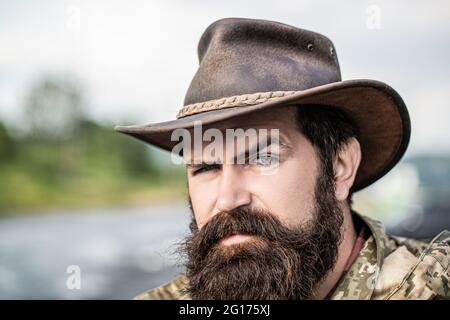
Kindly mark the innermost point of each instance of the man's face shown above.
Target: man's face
(259, 234)
(287, 192)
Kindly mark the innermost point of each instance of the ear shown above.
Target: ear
(346, 166)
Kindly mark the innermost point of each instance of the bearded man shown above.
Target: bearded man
(280, 224)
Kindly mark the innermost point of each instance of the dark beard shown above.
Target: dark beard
(278, 263)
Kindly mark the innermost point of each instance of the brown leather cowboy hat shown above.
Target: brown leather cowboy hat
(247, 65)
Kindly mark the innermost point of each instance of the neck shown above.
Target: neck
(345, 249)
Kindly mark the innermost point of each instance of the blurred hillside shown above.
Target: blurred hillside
(58, 157)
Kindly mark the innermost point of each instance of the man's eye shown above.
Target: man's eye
(206, 168)
(266, 160)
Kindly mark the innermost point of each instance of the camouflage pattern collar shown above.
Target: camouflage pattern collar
(358, 283)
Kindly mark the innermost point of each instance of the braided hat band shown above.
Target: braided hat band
(233, 101)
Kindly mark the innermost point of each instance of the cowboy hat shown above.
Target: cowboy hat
(248, 65)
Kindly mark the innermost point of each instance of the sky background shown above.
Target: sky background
(135, 59)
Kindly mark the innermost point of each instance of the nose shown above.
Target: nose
(232, 190)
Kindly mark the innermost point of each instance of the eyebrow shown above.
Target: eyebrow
(283, 146)
(253, 149)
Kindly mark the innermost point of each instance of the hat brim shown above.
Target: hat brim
(376, 109)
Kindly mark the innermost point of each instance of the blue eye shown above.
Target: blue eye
(266, 160)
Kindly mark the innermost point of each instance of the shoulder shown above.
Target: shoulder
(415, 269)
(173, 290)
(416, 247)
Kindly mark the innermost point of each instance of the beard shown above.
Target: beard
(277, 262)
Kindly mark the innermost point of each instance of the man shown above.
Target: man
(279, 225)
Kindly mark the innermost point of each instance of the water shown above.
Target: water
(120, 252)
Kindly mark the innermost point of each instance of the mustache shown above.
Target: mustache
(256, 222)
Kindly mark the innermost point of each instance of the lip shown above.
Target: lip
(236, 238)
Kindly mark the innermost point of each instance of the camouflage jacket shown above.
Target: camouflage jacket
(386, 268)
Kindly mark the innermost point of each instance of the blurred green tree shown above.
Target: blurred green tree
(54, 107)
(7, 145)
(65, 158)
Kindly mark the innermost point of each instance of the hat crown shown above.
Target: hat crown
(242, 56)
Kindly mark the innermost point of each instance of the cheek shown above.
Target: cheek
(289, 193)
(202, 199)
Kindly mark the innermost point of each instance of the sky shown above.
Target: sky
(135, 59)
